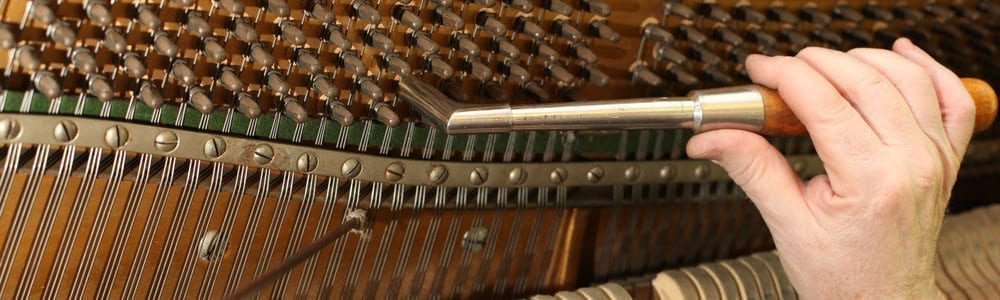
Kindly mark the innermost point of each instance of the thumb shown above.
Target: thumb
(755, 166)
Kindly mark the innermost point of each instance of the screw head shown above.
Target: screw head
(166, 141)
(632, 173)
(701, 171)
(116, 137)
(210, 246)
(215, 147)
(307, 162)
(9, 129)
(558, 176)
(595, 175)
(479, 176)
(438, 174)
(65, 131)
(667, 173)
(394, 171)
(475, 238)
(351, 168)
(798, 166)
(517, 176)
(263, 154)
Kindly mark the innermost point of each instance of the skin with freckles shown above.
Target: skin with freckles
(891, 128)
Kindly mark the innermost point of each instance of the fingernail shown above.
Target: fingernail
(753, 57)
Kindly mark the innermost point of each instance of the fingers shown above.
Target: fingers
(871, 93)
(957, 109)
(843, 140)
(756, 166)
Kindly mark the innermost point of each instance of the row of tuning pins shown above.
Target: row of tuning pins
(715, 37)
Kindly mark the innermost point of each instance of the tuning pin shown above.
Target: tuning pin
(47, 84)
(738, 55)
(365, 12)
(524, 6)
(148, 17)
(243, 31)
(728, 36)
(246, 104)
(795, 39)
(677, 74)
(691, 34)
(321, 12)
(7, 37)
(677, 8)
(423, 41)
(99, 11)
(665, 52)
(781, 15)
(276, 82)
(197, 25)
(713, 11)
(600, 28)
(762, 38)
(99, 87)
(956, 9)
(42, 12)
(28, 57)
(293, 109)
(596, 7)
(234, 7)
(335, 36)
(213, 49)
(277, 7)
(595, 76)
(535, 90)
(404, 15)
(906, 12)
(260, 55)
(393, 63)
(502, 46)
(183, 2)
(150, 95)
(306, 60)
(438, 66)
(199, 99)
(705, 55)
(133, 65)
(581, 52)
(229, 79)
(490, 23)
(494, 91)
(385, 114)
(515, 72)
(353, 64)
(828, 36)
(528, 27)
(859, 36)
(646, 76)
(845, 12)
(324, 87)
(813, 15)
(975, 29)
(557, 6)
(747, 13)
(947, 30)
(719, 77)
(462, 43)
(183, 73)
(445, 17)
(566, 30)
(339, 113)
(163, 44)
(83, 60)
(378, 40)
(62, 33)
(485, 3)
(477, 69)
(873, 10)
(369, 89)
(292, 33)
(543, 51)
(657, 34)
(114, 40)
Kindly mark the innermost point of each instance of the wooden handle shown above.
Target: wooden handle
(780, 121)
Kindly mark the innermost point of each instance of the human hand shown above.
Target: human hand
(891, 128)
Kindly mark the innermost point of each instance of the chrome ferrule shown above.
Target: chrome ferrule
(738, 107)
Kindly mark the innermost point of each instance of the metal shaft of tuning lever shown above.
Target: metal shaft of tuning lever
(747, 107)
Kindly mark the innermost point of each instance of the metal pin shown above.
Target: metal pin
(535, 90)
(528, 27)
(276, 82)
(490, 22)
(762, 38)
(214, 49)
(378, 40)
(452, 88)
(504, 47)
(335, 36)
(260, 55)
(728, 36)
(28, 57)
(99, 11)
(321, 12)
(600, 28)
(423, 41)
(655, 33)
(385, 114)
(718, 76)
(544, 51)
(781, 15)
(324, 87)
(813, 15)
(247, 105)
(559, 72)
(515, 72)
(907, 13)
(713, 11)
(581, 52)
(62, 33)
(229, 79)
(234, 7)
(114, 40)
(665, 52)
(99, 87)
(875, 11)
(677, 8)
(747, 13)
(199, 99)
(845, 12)
(163, 44)
(278, 8)
(462, 43)
(42, 12)
(369, 89)
(478, 70)
(339, 113)
(7, 37)
(183, 2)
(197, 25)
(566, 30)
(524, 6)
(558, 7)
(243, 31)
(859, 35)
(353, 64)
(691, 34)
(446, 17)
(306, 60)
(677, 74)
(442, 2)
(150, 95)
(485, 3)
(183, 73)
(438, 66)
(828, 36)
(404, 15)
(646, 76)
(47, 83)
(83, 60)
(705, 55)
(365, 12)
(494, 91)
(395, 64)
(293, 109)
(595, 76)
(147, 17)
(292, 33)
(794, 38)
(596, 7)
